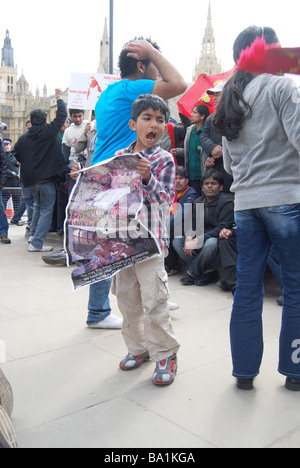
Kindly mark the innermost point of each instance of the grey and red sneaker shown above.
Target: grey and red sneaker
(134, 362)
(165, 371)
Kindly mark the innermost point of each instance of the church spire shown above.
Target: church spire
(104, 51)
(208, 42)
(7, 52)
(208, 62)
(105, 33)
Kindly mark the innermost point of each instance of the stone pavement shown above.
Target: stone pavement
(70, 393)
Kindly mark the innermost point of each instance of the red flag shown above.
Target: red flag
(271, 58)
(197, 93)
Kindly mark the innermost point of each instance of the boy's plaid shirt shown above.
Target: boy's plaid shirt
(159, 193)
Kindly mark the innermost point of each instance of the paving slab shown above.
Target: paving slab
(70, 393)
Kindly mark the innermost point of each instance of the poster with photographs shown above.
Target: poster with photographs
(103, 232)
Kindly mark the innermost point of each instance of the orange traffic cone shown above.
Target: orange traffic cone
(9, 208)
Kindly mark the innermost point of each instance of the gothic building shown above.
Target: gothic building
(208, 62)
(16, 99)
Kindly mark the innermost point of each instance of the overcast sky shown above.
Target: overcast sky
(51, 40)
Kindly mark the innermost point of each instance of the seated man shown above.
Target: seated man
(228, 254)
(184, 194)
(218, 216)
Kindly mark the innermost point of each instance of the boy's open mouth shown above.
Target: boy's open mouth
(151, 137)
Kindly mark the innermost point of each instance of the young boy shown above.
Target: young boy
(142, 290)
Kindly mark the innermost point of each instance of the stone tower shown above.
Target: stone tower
(16, 99)
(7, 52)
(208, 62)
(104, 51)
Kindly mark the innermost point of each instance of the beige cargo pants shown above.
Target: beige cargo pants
(143, 292)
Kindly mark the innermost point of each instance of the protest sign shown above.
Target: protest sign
(85, 89)
(103, 227)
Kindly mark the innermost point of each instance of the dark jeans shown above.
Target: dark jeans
(203, 259)
(99, 303)
(44, 201)
(3, 218)
(257, 230)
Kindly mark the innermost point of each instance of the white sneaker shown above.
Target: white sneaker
(111, 322)
(45, 248)
(173, 306)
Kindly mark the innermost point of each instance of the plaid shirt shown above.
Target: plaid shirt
(159, 193)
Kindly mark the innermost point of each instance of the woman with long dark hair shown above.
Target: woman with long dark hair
(259, 118)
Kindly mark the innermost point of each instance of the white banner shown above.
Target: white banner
(85, 89)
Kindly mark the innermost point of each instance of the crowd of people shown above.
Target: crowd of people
(238, 166)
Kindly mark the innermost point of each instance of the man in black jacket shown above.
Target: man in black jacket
(3, 176)
(218, 236)
(39, 152)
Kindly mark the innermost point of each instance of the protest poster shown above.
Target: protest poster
(85, 89)
(104, 230)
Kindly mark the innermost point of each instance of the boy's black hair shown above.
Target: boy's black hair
(127, 65)
(214, 174)
(147, 101)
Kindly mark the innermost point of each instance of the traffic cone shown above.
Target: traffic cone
(9, 208)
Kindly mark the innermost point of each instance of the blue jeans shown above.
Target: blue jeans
(29, 201)
(257, 230)
(99, 304)
(44, 201)
(3, 219)
(202, 260)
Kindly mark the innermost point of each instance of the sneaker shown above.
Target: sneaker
(222, 284)
(187, 280)
(292, 384)
(45, 248)
(173, 306)
(165, 371)
(279, 301)
(5, 240)
(56, 259)
(111, 322)
(245, 384)
(172, 272)
(17, 223)
(207, 278)
(131, 362)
